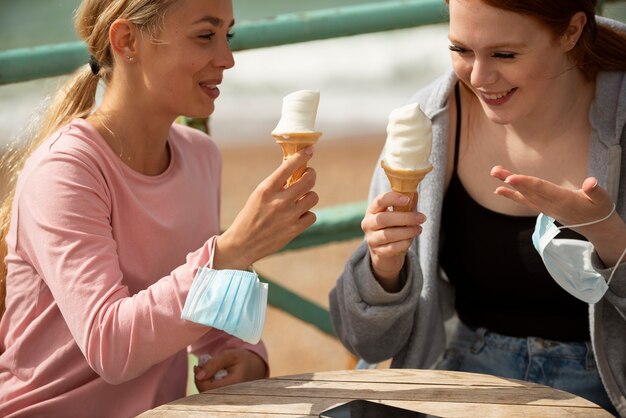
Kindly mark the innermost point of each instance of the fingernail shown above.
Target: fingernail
(201, 374)
(308, 150)
(405, 200)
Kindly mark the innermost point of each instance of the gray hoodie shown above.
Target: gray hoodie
(408, 326)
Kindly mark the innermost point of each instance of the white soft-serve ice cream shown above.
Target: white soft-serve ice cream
(298, 113)
(407, 149)
(409, 139)
(295, 130)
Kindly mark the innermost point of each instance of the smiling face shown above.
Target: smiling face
(511, 62)
(181, 70)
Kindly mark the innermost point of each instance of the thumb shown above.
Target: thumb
(593, 191)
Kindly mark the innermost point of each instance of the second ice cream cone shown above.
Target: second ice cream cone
(405, 182)
(293, 142)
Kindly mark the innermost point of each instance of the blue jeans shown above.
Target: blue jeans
(567, 366)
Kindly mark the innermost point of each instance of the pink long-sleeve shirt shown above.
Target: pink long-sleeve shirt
(100, 261)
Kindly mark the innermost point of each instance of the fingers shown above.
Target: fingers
(209, 384)
(390, 234)
(300, 196)
(529, 191)
(383, 201)
(393, 239)
(378, 217)
(242, 365)
(207, 371)
(500, 172)
(302, 185)
(569, 206)
(279, 177)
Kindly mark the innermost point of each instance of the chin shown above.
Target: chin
(203, 112)
(500, 118)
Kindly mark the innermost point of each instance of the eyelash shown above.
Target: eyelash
(209, 36)
(502, 55)
(455, 48)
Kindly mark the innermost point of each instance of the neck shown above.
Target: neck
(139, 138)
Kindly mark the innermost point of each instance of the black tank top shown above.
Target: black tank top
(500, 280)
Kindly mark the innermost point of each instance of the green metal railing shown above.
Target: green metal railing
(335, 223)
(24, 64)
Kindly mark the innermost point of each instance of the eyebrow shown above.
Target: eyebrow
(214, 21)
(496, 46)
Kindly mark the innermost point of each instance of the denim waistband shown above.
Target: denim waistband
(475, 338)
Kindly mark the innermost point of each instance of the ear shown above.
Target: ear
(574, 30)
(123, 36)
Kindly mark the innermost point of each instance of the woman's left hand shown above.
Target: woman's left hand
(569, 207)
(242, 365)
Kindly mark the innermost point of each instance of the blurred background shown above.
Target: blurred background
(361, 79)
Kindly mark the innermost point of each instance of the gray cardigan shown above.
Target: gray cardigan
(408, 326)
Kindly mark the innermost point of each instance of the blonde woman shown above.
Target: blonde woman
(114, 212)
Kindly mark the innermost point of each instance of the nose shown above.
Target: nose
(483, 72)
(224, 56)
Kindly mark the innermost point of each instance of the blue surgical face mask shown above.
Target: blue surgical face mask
(234, 301)
(569, 261)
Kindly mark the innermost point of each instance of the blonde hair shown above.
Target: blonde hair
(77, 97)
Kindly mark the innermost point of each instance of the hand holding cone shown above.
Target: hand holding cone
(295, 127)
(292, 143)
(405, 182)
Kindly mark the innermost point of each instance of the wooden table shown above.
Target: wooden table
(443, 393)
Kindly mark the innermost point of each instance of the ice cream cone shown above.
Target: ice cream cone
(405, 182)
(292, 143)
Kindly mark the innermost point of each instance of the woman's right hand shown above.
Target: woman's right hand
(272, 216)
(389, 236)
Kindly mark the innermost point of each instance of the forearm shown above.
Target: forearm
(608, 239)
(364, 314)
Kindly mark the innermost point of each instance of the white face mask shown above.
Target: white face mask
(569, 261)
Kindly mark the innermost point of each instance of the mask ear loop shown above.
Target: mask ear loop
(608, 282)
(209, 264)
(589, 223)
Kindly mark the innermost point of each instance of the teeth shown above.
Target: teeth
(495, 96)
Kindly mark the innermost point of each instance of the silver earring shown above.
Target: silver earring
(129, 58)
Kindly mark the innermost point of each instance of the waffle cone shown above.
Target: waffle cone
(293, 142)
(405, 182)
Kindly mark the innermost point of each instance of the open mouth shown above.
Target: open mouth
(210, 90)
(497, 98)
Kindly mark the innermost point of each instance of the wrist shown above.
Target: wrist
(229, 255)
(387, 272)
(608, 238)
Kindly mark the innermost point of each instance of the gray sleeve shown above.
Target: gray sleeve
(373, 324)
(609, 316)
(616, 294)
